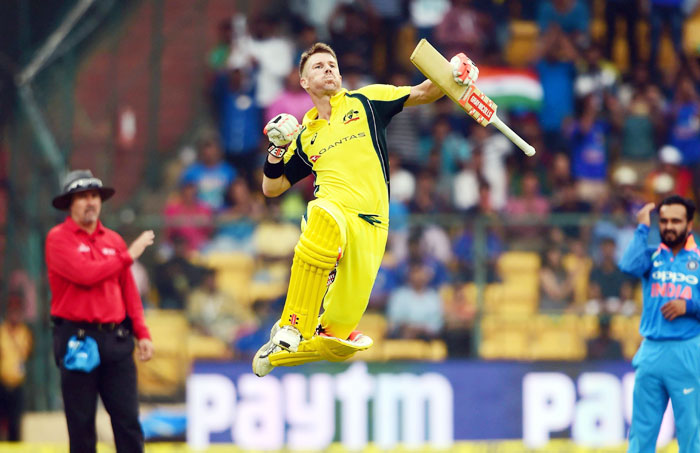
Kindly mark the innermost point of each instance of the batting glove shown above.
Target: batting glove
(464, 71)
(282, 130)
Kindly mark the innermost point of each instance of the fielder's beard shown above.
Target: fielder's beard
(673, 241)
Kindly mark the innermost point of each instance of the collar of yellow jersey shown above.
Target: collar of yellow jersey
(312, 115)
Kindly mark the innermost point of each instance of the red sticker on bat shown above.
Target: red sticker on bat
(482, 107)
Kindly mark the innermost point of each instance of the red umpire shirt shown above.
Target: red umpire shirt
(90, 277)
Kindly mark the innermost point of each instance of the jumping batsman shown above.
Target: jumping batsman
(342, 141)
(667, 364)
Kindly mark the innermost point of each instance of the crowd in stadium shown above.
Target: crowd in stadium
(616, 123)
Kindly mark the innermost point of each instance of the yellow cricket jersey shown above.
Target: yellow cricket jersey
(348, 154)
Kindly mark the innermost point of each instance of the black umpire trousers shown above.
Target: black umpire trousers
(114, 380)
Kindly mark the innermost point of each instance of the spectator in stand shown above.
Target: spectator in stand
(603, 347)
(293, 100)
(556, 71)
(438, 274)
(271, 54)
(685, 120)
(629, 11)
(426, 15)
(530, 206)
(570, 16)
(188, 217)
(606, 274)
(210, 174)
(238, 115)
(217, 57)
(463, 27)
(570, 203)
(391, 15)
(463, 250)
(595, 75)
(216, 313)
(428, 199)
(403, 133)
(15, 347)
(590, 157)
(237, 221)
(666, 12)
(446, 149)
(460, 313)
(670, 163)
(403, 183)
(176, 277)
(384, 285)
(466, 183)
(558, 177)
(495, 149)
(638, 128)
(556, 284)
(359, 21)
(415, 310)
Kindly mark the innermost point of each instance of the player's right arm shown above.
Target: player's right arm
(637, 260)
(282, 130)
(274, 187)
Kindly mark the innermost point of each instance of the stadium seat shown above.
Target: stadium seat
(207, 347)
(374, 325)
(165, 374)
(522, 45)
(514, 264)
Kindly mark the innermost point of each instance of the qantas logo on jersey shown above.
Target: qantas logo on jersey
(343, 140)
(82, 248)
(352, 115)
(108, 251)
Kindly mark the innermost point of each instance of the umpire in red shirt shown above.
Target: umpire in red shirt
(96, 312)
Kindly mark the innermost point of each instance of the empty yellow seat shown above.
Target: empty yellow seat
(514, 263)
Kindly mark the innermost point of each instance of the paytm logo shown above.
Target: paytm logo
(675, 277)
(596, 408)
(300, 411)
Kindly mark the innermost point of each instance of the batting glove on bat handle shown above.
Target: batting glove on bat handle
(282, 129)
(464, 71)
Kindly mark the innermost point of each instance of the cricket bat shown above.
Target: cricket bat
(477, 105)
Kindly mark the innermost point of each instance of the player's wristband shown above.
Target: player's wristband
(277, 151)
(273, 171)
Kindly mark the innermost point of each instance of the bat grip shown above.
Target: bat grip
(528, 149)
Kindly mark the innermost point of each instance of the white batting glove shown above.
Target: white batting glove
(282, 130)
(464, 71)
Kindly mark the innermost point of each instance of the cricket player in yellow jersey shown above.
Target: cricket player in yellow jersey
(342, 141)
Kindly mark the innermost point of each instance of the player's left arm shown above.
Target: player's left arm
(423, 93)
(464, 72)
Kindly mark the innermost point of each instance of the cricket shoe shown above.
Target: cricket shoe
(287, 338)
(261, 361)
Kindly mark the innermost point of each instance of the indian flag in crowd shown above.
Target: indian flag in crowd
(511, 88)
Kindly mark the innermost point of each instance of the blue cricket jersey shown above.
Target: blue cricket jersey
(664, 278)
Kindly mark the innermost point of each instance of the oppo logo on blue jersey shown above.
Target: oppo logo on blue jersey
(671, 286)
(675, 277)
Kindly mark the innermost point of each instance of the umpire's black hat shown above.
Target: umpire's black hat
(80, 181)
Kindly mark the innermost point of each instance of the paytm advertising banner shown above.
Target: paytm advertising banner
(411, 403)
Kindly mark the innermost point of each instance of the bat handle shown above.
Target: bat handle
(528, 149)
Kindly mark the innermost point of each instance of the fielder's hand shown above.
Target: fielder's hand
(672, 310)
(644, 214)
(464, 71)
(281, 131)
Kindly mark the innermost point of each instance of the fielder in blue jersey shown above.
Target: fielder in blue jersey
(667, 363)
